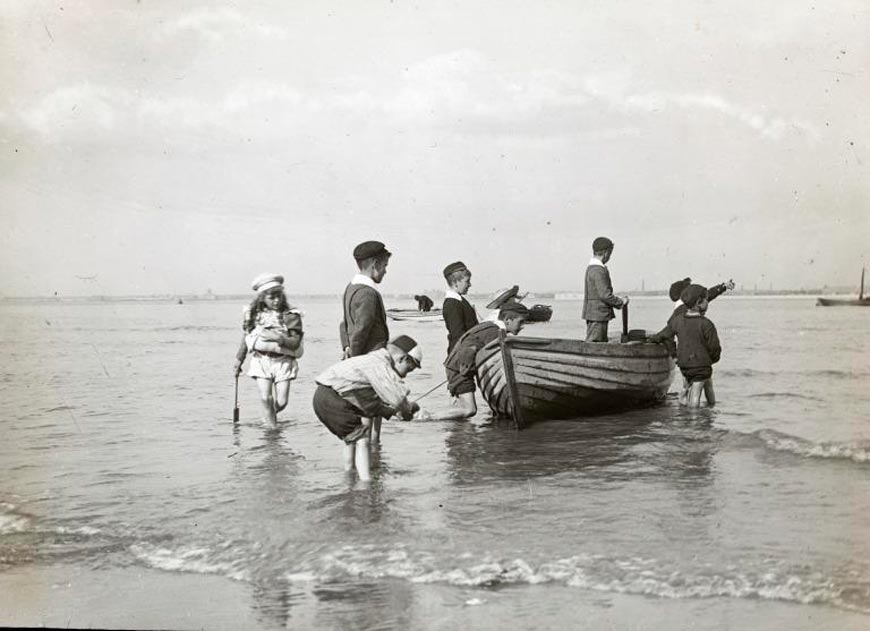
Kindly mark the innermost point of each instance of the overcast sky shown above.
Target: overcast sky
(172, 146)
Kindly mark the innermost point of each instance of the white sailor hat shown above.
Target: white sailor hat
(265, 282)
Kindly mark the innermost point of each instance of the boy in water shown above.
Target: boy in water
(460, 364)
(459, 315)
(698, 345)
(352, 392)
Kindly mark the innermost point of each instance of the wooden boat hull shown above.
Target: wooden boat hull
(842, 302)
(412, 315)
(527, 378)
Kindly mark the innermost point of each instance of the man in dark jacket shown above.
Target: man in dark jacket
(364, 327)
(598, 297)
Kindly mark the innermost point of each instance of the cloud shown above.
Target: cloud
(657, 102)
(459, 91)
(214, 25)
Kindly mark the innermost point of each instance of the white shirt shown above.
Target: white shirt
(362, 279)
(373, 370)
(596, 261)
(449, 293)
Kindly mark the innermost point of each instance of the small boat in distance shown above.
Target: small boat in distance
(414, 315)
(528, 378)
(846, 302)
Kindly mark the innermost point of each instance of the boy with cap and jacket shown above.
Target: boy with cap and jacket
(680, 308)
(352, 392)
(598, 297)
(698, 345)
(460, 364)
(713, 292)
(459, 315)
(364, 327)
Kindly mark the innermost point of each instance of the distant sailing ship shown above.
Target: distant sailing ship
(846, 302)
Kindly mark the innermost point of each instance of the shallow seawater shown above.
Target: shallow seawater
(121, 466)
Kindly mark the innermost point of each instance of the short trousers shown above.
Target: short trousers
(278, 369)
(337, 414)
(457, 383)
(697, 373)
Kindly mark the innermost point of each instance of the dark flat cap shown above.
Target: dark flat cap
(457, 266)
(512, 307)
(369, 249)
(692, 294)
(410, 347)
(601, 243)
(678, 287)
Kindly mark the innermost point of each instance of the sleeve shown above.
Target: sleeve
(243, 350)
(453, 320)
(293, 321)
(604, 288)
(387, 385)
(363, 309)
(711, 341)
(716, 290)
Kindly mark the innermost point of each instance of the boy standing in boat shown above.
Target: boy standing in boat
(598, 297)
(366, 385)
(698, 345)
(459, 315)
(364, 327)
(460, 364)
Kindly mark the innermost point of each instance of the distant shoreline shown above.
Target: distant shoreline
(531, 299)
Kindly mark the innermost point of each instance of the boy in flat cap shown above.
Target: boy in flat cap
(369, 385)
(460, 364)
(698, 345)
(598, 297)
(459, 315)
(675, 291)
(364, 327)
(713, 292)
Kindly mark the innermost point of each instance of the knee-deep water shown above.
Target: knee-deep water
(129, 498)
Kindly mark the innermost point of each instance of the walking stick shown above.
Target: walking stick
(624, 324)
(236, 405)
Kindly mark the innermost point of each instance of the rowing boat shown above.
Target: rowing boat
(413, 315)
(529, 378)
(846, 302)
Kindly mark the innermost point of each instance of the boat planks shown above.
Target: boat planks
(560, 378)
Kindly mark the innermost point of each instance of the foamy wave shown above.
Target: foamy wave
(187, 559)
(635, 575)
(13, 520)
(802, 447)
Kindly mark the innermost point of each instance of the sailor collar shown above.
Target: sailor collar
(452, 294)
(596, 261)
(362, 279)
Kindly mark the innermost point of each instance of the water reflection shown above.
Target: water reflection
(364, 605)
(274, 599)
(666, 441)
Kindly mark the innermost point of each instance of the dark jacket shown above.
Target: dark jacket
(697, 341)
(598, 298)
(459, 316)
(461, 358)
(364, 328)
